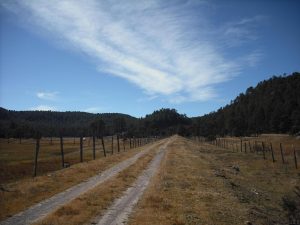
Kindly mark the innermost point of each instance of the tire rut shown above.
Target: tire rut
(120, 210)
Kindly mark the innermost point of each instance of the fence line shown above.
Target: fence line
(133, 143)
(257, 147)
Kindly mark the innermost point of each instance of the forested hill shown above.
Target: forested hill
(26, 123)
(273, 106)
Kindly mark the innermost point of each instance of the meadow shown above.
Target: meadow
(285, 147)
(17, 158)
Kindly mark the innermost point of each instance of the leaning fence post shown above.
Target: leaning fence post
(103, 146)
(245, 145)
(281, 151)
(295, 157)
(37, 149)
(62, 151)
(81, 149)
(272, 152)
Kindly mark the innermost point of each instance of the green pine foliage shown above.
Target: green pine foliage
(273, 106)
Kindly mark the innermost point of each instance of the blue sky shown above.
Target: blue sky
(137, 56)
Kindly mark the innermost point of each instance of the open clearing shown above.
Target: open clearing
(17, 159)
(195, 183)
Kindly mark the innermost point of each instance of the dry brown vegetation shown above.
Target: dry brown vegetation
(89, 205)
(203, 184)
(197, 183)
(17, 159)
(289, 145)
(19, 195)
(288, 142)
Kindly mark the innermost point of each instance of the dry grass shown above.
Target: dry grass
(91, 204)
(17, 196)
(288, 143)
(203, 184)
(17, 159)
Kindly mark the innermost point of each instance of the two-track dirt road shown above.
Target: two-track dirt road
(119, 212)
(181, 182)
(42, 209)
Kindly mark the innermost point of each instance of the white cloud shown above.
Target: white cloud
(47, 95)
(237, 33)
(94, 110)
(253, 58)
(166, 50)
(43, 108)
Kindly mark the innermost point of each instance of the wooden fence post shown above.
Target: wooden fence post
(130, 143)
(250, 147)
(273, 159)
(37, 149)
(112, 144)
(255, 146)
(118, 140)
(94, 147)
(81, 149)
(62, 151)
(103, 146)
(295, 157)
(241, 145)
(263, 146)
(281, 151)
(124, 148)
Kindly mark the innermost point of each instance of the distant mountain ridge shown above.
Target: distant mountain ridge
(273, 106)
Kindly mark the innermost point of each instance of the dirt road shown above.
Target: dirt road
(43, 208)
(186, 182)
(118, 213)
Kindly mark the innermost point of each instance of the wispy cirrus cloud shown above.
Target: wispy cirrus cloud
(162, 48)
(47, 95)
(237, 33)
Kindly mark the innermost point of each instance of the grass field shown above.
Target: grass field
(288, 145)
(94, 202)
(17, 159)
(196, 183)
(19, 195)
(200, 183)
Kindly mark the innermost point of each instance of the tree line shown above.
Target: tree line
(273, 106)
